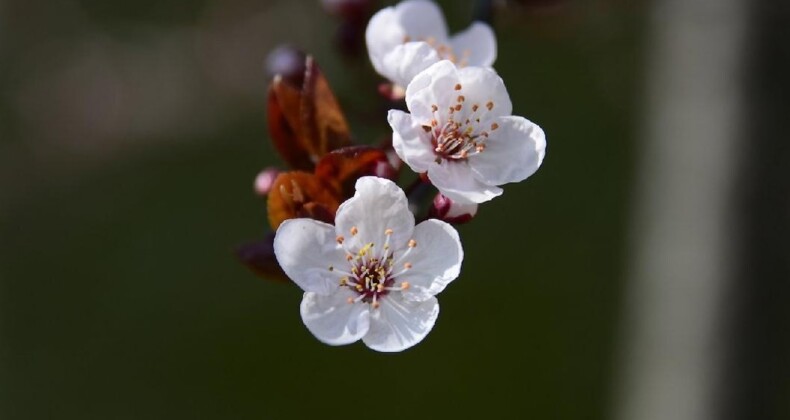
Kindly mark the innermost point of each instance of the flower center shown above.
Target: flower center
(461, 135)
(373, 273)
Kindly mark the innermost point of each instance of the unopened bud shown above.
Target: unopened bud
(265, 180)
(450, 211)
(391, 92)
(287, 62)
(350, 10)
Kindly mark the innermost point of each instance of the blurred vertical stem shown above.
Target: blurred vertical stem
(683, 217)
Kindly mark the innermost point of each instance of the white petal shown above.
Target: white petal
(332, 319)
(405, 61)
(514, 151)
(479, 42)
(398, 325)
(377, 205)
(456, 181)
(433, 86)
(435, 261)
(305, 249)
(410, 141)
(382, 35)
(422, 19)
(481, 86)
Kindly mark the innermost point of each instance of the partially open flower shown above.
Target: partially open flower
(461, 133)
(374, 275)
(408, 38)
(445, 209)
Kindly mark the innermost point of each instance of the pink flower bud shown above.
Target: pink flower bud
(449, 211)
(265, 180)
(391, 92)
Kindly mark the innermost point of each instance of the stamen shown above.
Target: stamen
(490, 105)
(340, 239)
(388, 232)
(494, 126)
(458, 86)
(405, 285)
(461, 98)
(412, 243)
(350, 300)
(354, 231)
(407, 265)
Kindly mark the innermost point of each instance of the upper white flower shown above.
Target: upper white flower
(406, 39)
(461, 133)
(373, 276)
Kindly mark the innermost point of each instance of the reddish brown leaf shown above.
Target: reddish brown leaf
(283, 120)
(305, 124)
(341, 168)
(259, 258)
(292, 194)
(324, 123)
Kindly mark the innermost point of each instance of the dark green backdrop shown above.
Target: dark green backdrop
(120, 296)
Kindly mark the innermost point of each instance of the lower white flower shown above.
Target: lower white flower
(374, 275)
(460, 131)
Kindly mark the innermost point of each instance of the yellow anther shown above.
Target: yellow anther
(359, 287)
(340, 239)
(388, 232)
(405, 285)
(380, 288)
(354, 230)
(343, 281)
(412, 243)
(364, 251)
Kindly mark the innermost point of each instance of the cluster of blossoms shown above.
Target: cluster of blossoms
(345, 231)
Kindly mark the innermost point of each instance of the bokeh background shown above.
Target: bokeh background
(130, 134)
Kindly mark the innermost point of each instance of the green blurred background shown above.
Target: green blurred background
(130, 136)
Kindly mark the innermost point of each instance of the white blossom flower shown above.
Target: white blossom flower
(409, 37)
(461, 133)
(373, 276)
